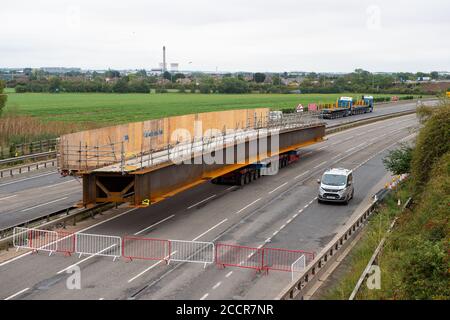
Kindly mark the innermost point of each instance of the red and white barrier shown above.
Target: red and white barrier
(145, 248)
(282, 259)
(192, 251)
(98, 245)
(298, 266)
(239, 256)
(44, 240)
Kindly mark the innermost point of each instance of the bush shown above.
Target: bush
(233, 85)
(432, 142)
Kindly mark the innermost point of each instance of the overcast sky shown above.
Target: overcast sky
(228, 35)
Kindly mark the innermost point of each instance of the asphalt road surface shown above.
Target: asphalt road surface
(39, 193)
(277, 211)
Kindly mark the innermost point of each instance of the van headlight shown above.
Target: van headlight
(321, 191)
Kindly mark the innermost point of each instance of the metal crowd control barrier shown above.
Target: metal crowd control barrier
(260, 258)
(298, 266)
(145, 248)
(239, 256)
(192, 251)
(44, 240)
(98, 245)
(282, 259)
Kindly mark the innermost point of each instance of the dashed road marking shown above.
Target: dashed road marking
(200, 202)
(154, 225)
(210, 229)
(217, 285)
(270, 192)
(250, 204)
(228, 274)
(320, 164)
(17, 293)
(302, 174)
(204, 296)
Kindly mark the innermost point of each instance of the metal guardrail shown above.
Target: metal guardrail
(9, 172)
(375, 255)
(306, 279)
(28, 157)
(30, 148)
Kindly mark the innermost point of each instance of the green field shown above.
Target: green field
(122, 108)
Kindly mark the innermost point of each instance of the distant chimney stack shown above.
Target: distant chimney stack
(164, 59)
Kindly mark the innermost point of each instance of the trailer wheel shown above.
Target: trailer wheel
(247, 178)
(241, 180)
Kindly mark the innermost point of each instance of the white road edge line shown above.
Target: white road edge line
(155, 224)
(194, 205)
(16, 294)
(43, 204)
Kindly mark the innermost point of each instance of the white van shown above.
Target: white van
(336, 185)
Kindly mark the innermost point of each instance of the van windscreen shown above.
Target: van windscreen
(334, 180)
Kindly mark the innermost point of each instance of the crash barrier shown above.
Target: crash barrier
(98, 245)
(260, 258)
(132, 247)
(44, 240)
(192, 251)
(145, 248)
(298, 266)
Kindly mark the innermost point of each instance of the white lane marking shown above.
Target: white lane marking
(228, 274)
(232, 187)
(204, 296)
(250, 204)
(149, 268)
(320, 164)
(155, 224)
(101, 298)
(351, 149)
(58, 184)
(217, 285)
(25, 179)
(289, 221)
(44, 204)
(275, 233)
(9, 197)
(284, 225)
(302, 174)
(336, 156)
(82, 230)
(16, 294)
(85, 259)
(322, 147)
(210, 229)
(267, 240)
(194, 205)
(361, 144)
(270, 192)
(308, 153)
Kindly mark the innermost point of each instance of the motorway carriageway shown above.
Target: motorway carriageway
(275, 211)
(35, 195)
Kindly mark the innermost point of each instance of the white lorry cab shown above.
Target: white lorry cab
(336, 185)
